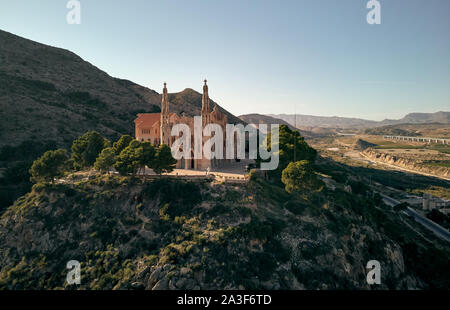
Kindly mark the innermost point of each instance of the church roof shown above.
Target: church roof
(147, 120)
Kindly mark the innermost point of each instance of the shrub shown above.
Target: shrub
(300, 176)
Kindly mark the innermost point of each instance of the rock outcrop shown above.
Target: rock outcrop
(166, 234)
(362, 145)
(410, 163)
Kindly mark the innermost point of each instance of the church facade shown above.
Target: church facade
(156, 128)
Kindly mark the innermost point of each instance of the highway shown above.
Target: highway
(435, 228)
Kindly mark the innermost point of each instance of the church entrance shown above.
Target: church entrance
(182, 163)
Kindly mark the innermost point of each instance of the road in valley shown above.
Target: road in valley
(437, 229)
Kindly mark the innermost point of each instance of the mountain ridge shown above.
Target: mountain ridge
(49, 96)
(301, 120)
(52, 93)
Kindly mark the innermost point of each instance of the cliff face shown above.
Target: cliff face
(414, 164)
(168, 234)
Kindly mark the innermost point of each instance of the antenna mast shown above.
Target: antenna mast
(295, 133)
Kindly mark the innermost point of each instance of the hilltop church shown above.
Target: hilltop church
(156, 128)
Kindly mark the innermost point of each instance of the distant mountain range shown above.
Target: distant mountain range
(306, 121)
(258, 119)
(49, 93)
(420, 118)
(436, 130)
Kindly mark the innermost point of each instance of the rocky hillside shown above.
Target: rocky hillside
(437, 165)
(435, 130)
(423, 118)
(362, 145)
(189, 102)
(174, 234)
(48, 93)
(49, 96)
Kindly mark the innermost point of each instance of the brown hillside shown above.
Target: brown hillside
(49, 93)
(362, 145)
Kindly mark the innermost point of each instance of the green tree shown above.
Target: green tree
(105, 160)
(292, 147)
(86, 149)
(49, 166)
(163, 161)
(122, 143)
(129, 160)
(146, 155)
(300, 176)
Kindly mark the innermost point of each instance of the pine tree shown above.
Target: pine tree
(164, 161)
(105, 160)
(86, 149)
(122, 143)
(129, 159)
(49, 166)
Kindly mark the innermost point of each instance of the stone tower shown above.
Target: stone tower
(205, 106)
(204, 163)
(165, 125)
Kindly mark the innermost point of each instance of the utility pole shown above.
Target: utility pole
(295, 134)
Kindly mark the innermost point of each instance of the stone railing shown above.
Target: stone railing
(232, 179)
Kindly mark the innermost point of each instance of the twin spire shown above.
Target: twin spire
(205, 100)
(165, 127)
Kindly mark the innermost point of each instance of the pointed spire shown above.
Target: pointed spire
(165, 126)
(165, 102)
(205, 104)
(205, 97)
(165, 97)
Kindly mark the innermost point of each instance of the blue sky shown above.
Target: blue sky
(316, 57)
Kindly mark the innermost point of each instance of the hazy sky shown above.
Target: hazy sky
(316, 57)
